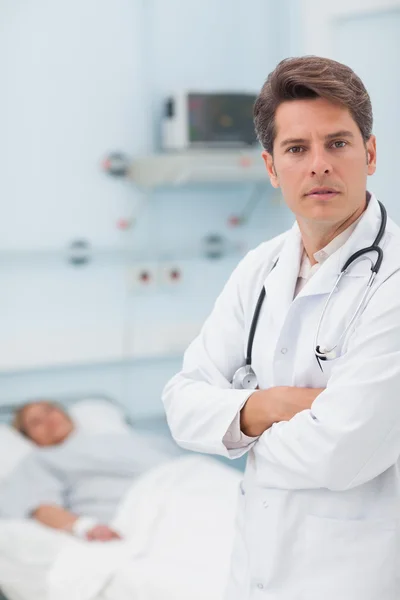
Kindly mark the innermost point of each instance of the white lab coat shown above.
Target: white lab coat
(319, 504)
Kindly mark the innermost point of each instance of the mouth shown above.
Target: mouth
(322, 193)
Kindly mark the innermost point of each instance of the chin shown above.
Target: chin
(325, 212)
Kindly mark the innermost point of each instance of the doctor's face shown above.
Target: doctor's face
(320, 160)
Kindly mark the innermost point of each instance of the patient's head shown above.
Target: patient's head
(44, 423)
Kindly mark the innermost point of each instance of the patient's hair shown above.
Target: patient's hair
(18, 421)
(311, 77)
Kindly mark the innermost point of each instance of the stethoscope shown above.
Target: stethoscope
(245, 378)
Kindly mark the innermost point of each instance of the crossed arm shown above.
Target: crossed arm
(274, 405)
(336, 438)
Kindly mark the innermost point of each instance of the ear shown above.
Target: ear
(371, 153)
(269, 163)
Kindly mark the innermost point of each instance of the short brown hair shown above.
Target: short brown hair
(311, 77)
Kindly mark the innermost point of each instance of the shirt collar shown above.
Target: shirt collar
(336, 243)
(322, 255)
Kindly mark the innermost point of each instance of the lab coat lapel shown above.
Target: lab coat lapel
(281, 282)
(323, 281)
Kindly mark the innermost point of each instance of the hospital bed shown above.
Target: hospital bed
(171, 551)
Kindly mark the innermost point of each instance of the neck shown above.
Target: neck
(318, 234)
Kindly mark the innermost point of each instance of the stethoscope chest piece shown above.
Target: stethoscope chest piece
(244, 379)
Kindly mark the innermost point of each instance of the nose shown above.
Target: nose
(320, 164)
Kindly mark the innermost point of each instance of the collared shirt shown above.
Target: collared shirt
(307, 270)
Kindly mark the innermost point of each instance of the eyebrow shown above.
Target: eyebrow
(337, 134)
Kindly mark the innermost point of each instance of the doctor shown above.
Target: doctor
(319, 506)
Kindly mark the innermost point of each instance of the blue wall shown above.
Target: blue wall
(379, 32)
(82, 79)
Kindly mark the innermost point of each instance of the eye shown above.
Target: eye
(295, 149)
(339, 144)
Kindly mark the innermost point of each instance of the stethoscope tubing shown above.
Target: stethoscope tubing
(322, 355)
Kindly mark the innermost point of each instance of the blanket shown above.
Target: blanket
(177, 524)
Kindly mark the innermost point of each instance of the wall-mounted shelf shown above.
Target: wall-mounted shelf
(199, 166)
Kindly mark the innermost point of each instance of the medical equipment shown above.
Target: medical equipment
(202, 119)
(245, 377)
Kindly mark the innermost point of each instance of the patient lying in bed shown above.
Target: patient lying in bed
(74, 481)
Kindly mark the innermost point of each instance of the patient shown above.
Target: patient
(74, 481)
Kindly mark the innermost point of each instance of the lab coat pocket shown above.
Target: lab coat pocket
(351, 559)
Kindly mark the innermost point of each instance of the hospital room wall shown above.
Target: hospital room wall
(86, 78)
(82, 79)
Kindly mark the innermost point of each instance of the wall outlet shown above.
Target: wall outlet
(143, 277)
(170, 274)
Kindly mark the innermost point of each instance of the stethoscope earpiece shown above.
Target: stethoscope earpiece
(325, 354)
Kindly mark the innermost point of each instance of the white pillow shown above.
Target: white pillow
(91, 415)
(13, 448)
(96, 415)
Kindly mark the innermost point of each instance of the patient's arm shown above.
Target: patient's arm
(59, 518)
(55, 516)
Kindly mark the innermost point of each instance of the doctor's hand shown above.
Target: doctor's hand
(102, 533)
(276, 404)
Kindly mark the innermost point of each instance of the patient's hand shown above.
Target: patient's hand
(102, 533)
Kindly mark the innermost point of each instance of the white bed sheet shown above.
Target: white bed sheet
(27, 551)
(178, 522)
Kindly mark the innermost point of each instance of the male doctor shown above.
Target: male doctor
(319, 506)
